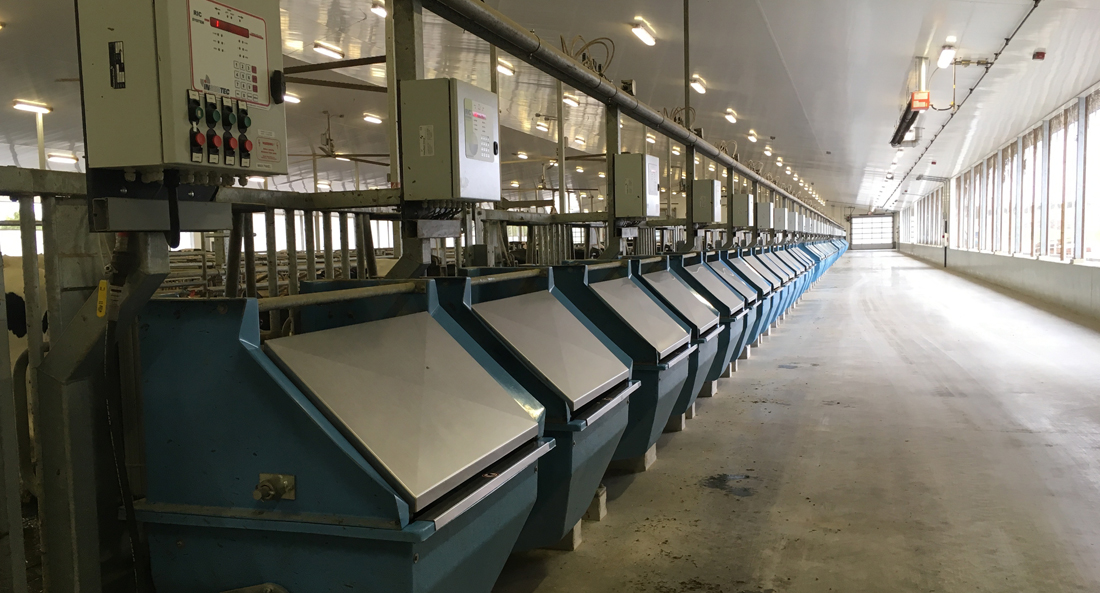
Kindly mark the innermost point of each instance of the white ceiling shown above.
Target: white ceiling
(826, 78)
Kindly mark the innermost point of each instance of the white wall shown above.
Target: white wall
(1073, 286)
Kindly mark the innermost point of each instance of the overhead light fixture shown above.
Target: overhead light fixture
(711, 167)
(889, 175)
(378, 7)
(570, 100)
(324, 185)
(952, 40)
(698, 84)
(515, 184)
(326, 49)
(2, 25)
(752, 136)
(505, 68)
(66, 159)
(788, 170)
(343, 159)
(542, 126)
(580, 169)
(725, 173)
(947, 56)
(696, 160)
(644, 31)
(796, 176)
(650, 138)
(602, 175)
(372, 119)
(584, 194)
(522, 155)
(32, 106)
(779, 161)
(579, 140)
(553, 163)
(731, 116)
(292, 98)
(767, 151)
(676, 151)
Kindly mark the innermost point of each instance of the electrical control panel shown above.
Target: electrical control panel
(765, 216)
(792, 222)
(707, 198)
(779, 222)
(183, 85)
(450, 141)
(742, 210)
(637, 186)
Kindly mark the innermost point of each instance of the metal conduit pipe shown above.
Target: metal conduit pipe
(532, 273)
(492, 26)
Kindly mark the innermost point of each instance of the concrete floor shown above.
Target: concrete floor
(904, 430)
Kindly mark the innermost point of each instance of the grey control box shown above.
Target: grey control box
(450, 141)
(765, 216)
(637, 186)
(183, 85)
(707, 198)
(741, 208)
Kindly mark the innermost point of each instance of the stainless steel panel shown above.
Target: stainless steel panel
(756, 277)
(765, 271)
(776, 267)
(643, 314)
(747, 292)
(544, 332)
(411, 398)
(727, 295)
(688, 302)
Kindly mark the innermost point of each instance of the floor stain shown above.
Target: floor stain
(730, 484)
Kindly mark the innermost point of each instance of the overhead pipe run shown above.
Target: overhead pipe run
(492, 26)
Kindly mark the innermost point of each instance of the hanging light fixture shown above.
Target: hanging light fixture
(327, 49)
(650, 138)
(698, 84)
(752, 136)
(767, 151)
(570, 100)
(542, 126)
(505, 68)
(731, 115)
(644, 31)
(378, 7)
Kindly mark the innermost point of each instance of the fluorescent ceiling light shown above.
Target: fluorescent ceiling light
(324, 185)
(66, 159)
(731, 116)
(580, 169)
(651, 138)
(947, 56)
(372, 119)
(378, 7)
(570, 100)
(698, 84)
(779, 161)
(326, 49)
(515, 184)
(288, 98)
(788, 170)
(752, 136)
(542, 126)
(725, 173)
(505, 68)
(644, 31)
(767, 151)
(32, 107)
(522, 155)
(344, 159)
(711, 167)
(951, 40)
(602, 174)
(553, 163)
(676, 150)
(579, 140)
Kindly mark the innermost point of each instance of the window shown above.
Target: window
(1029, 214)
(872, 231)
(1056, 186)
(955, 213)
(1092, 178)
(1008, 199)
(989, 196)
(1069, 184)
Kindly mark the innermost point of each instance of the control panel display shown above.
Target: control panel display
(228, 52)
(479, 135)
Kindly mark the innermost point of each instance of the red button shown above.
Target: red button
(216, 141)
(199, 139)
(232, 143)
(248, 146)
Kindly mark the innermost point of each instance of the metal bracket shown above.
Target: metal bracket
(109, 215)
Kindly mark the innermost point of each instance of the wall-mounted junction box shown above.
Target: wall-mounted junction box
(707, 198)
(450, 141)
(765, 216)
(792, 222)
(742, 210)
(182, 85)
(637, 186)
(780, 220)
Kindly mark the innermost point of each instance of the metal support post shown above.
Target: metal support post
(290, 219)
(249, 237)
(326, 231)
(28, 233)
(233, 260)
(614, 134)
(311, 244)
(13, 564)
(272, 265)
(562, 199)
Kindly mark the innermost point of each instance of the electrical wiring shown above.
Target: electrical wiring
(583, 54)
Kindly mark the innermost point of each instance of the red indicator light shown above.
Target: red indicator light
(199, 139)
(229, 27)
(248, 146)
(216, 141)
(232, 143)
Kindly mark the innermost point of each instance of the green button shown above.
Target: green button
(230, 119)
(246, 122)
(195, 113)
(214, 116)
